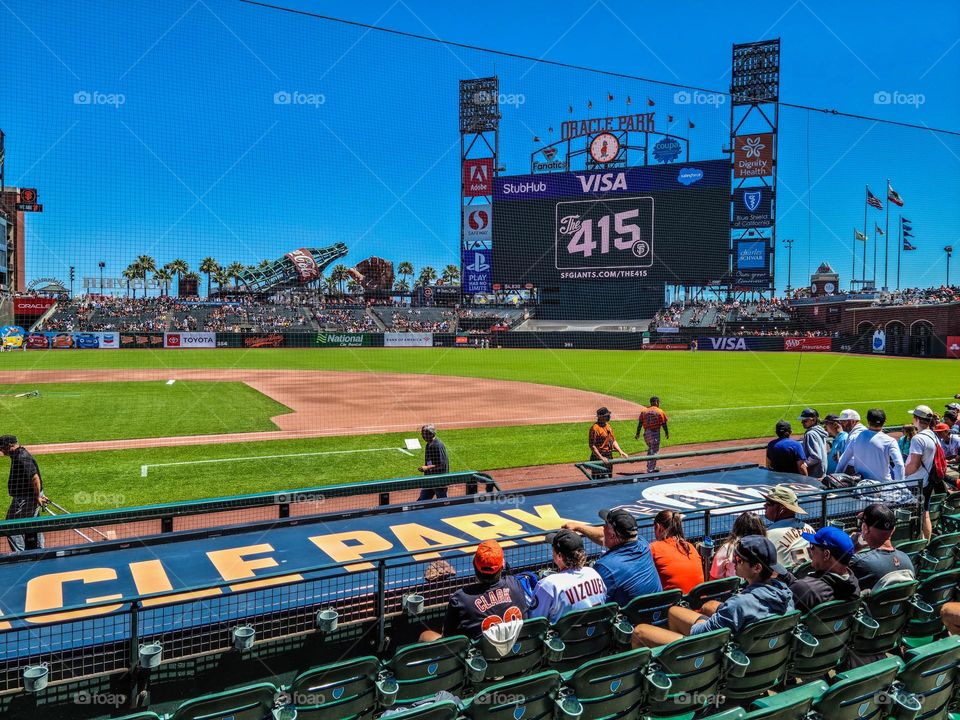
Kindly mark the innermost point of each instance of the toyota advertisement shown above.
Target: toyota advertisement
(602, 244)
(186, 340)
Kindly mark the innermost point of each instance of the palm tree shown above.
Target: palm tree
(209, 266)
(451, 274)
(221, 277)
(401, 286)
(130, 274)
(427, 275)
(353, 287)
(329, 286)
(264, 265)
(179, 268)
(145, 264)
(339, 274)
(405, 270)
(233, 270)
(163, 276)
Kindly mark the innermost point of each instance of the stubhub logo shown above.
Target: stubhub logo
(524, 187)
(688, 176)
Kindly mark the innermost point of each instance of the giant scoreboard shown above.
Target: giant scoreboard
(603, 244)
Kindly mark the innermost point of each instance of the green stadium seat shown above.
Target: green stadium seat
(695, 666)
(831, 623)
(932, 672)
(424, 669)
(935, 590)
(341, 691)
(792, 704)
(529, 698)
(731, 714)
(890, 608)
(718, 590)
(652, 609)
(141, 716)
(950, 502)
(525, 657)
(860, 694)
(768, 644)
(904, 528)
(948, 521)
(936, 509)
(912, 548)
(251, 702)
(612, 687)
(586, 634)
(802, 570)
(444, 710)
(940, 554)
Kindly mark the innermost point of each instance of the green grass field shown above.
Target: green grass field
(80, 412)
(709, 396)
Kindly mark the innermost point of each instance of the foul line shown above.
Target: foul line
(144, 469)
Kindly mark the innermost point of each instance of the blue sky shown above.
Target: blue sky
(198, 159)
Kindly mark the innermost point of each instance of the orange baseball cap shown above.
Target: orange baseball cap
(488, 558)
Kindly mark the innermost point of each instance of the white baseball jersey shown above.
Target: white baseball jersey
(558, 594)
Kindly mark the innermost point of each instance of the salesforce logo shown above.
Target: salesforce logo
(688, 176)
(526, 187)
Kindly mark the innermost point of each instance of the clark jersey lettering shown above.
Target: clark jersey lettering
(558, 594)
(478, 606)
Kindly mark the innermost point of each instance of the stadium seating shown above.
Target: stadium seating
(341, 691)
(889, 607)
(831, 624)
(251, 702)
(585, 634)
(612, 687)
(531, 698)
(694, 665)
(526, 655)
(860, 694)
(718, 590)
(652, 609)
(424, 669)
(940, 554)
(912, 548)
(935, 590)
(933, 673)
(792, 704)
(444, 710)
(767, 644)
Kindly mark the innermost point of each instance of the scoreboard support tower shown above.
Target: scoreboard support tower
(754, 121)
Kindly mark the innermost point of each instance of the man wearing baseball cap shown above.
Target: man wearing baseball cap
(950, 443)
(603, 443)
(627, 567)
(830, 551)
(493, 598)
(574, 587)
(881, 558)
(814, 443)
(850, 422)
(875, 454)
(26, 491)
(781, 508)
(765, 595)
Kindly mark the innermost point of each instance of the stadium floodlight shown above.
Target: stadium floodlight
(243, 637)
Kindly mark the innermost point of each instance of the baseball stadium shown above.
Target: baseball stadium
(363, 363)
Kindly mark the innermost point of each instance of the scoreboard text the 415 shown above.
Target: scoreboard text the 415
(604, 235)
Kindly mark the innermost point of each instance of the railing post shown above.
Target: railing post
(385, 498)
(381, 605)
(134, 634)
(823, 509)
(166, 524)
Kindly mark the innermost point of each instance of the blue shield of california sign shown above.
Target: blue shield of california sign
(751, 207)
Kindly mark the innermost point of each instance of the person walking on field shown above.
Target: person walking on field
(434, 462)
(651, 420)
(26, 491)
(603, 443)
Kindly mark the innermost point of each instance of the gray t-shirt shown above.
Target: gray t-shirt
(871, 565)
(924, 444)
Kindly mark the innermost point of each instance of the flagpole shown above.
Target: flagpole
(866, 189)
(899, 251)
(874, 281)
(886, 255)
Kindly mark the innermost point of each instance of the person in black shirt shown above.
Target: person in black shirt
(492, 599)
(831, 579)
(434, 462)
(26, 491)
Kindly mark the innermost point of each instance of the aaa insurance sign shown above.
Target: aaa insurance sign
(478, 177)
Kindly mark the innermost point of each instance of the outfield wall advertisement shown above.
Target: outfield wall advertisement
(185, 340)
(407, 339)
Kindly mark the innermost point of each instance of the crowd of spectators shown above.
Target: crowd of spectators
(344, 320)
(920, 296)
(419, 320)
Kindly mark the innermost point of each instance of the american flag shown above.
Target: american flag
(893, 196)
(872, 200)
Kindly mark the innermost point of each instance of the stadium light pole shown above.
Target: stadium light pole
(949, 251)
(789, 244)
(101, 265)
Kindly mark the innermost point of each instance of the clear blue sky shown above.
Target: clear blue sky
(199, 160)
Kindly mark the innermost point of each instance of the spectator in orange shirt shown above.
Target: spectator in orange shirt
(603, 443)
(678, 562)
(651, 420)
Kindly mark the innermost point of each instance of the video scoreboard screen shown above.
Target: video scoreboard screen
(602, 244)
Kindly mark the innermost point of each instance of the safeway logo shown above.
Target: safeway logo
(478, 220)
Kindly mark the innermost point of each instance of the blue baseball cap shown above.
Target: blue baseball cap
(833, 539)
